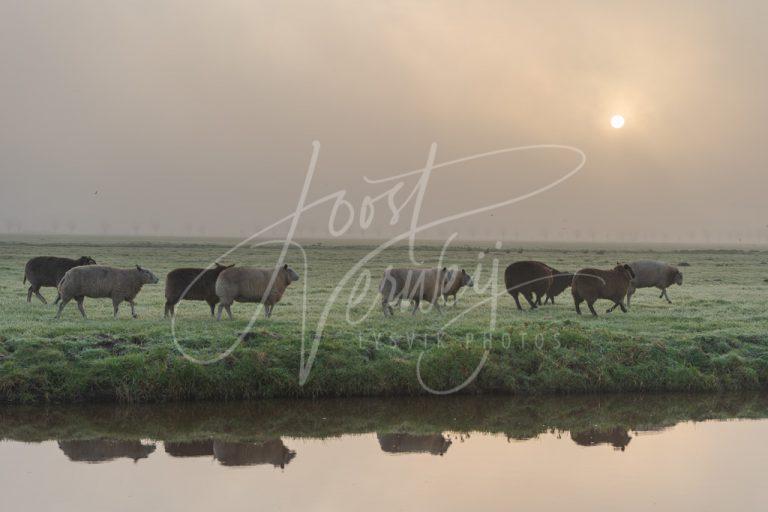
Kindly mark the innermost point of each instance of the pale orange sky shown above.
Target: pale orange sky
(197, 117)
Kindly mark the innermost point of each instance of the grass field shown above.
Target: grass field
(714, 336)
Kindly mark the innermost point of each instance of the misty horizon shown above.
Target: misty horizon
(197, 119)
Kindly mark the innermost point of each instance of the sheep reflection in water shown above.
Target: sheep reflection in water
(272, 451)
(103, 450)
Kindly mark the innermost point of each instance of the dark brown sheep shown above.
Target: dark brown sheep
(192, 284)
(590, 284)
(414, 284)
(528, 278)
(455, 281)
(560, 281)
(48, 271)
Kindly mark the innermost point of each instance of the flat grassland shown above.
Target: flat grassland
(713, 337)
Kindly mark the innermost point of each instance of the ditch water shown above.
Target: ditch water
(705, 452)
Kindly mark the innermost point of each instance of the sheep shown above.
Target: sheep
(456, 280)
(527, 278)
(98, 282)
(591, 284)
(192, 284)
(649, 274)
(560, 281)
(48, 271)
(413, 284)
(249, 284)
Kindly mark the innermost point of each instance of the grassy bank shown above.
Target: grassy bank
(713, 338)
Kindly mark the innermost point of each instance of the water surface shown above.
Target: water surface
(581, 453)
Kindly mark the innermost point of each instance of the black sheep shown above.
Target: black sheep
(48, 271)
(528, 278)
(203, 289)
(560, 281)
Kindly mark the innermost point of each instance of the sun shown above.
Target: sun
(617, 121)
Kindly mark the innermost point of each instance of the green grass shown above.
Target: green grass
(713, 338)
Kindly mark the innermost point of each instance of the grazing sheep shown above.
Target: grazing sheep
(455, 281)
(560, 281)
(48, 271)
(590, 284)
(249, 284)
(198, 283)
(527, 278)
(99, 282)
(414, 284)
(649, 274)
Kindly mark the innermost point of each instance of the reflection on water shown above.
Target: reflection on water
(102, 450)
(230, 453)
(436, 444)
(618, 437)
(453, 453)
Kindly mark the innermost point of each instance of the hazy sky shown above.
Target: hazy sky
(197, 117)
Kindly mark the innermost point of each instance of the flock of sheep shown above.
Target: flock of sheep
(224, 285)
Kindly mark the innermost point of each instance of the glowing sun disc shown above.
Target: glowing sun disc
(617, 121)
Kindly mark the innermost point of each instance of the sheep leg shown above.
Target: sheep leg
(228, 307)
(213, 309)
(58, 298)
(538, 299)
(437, 306)
(115, 306)
(268, 310)
(577, 303)
(610, 309)
(529, 298)
(168, 309)
(80, 300)
(29, 294)
(61, 306)
(221, 308)
(517, 301)
(133, 309)
(415, 306)
(592, 308)
(38, 295)
(664, 294)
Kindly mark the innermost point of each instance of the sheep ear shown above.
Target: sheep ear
(285, 266)
(138, 267)
(445, 268)
(463, 271)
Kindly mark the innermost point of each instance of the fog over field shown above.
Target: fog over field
(197, 117)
